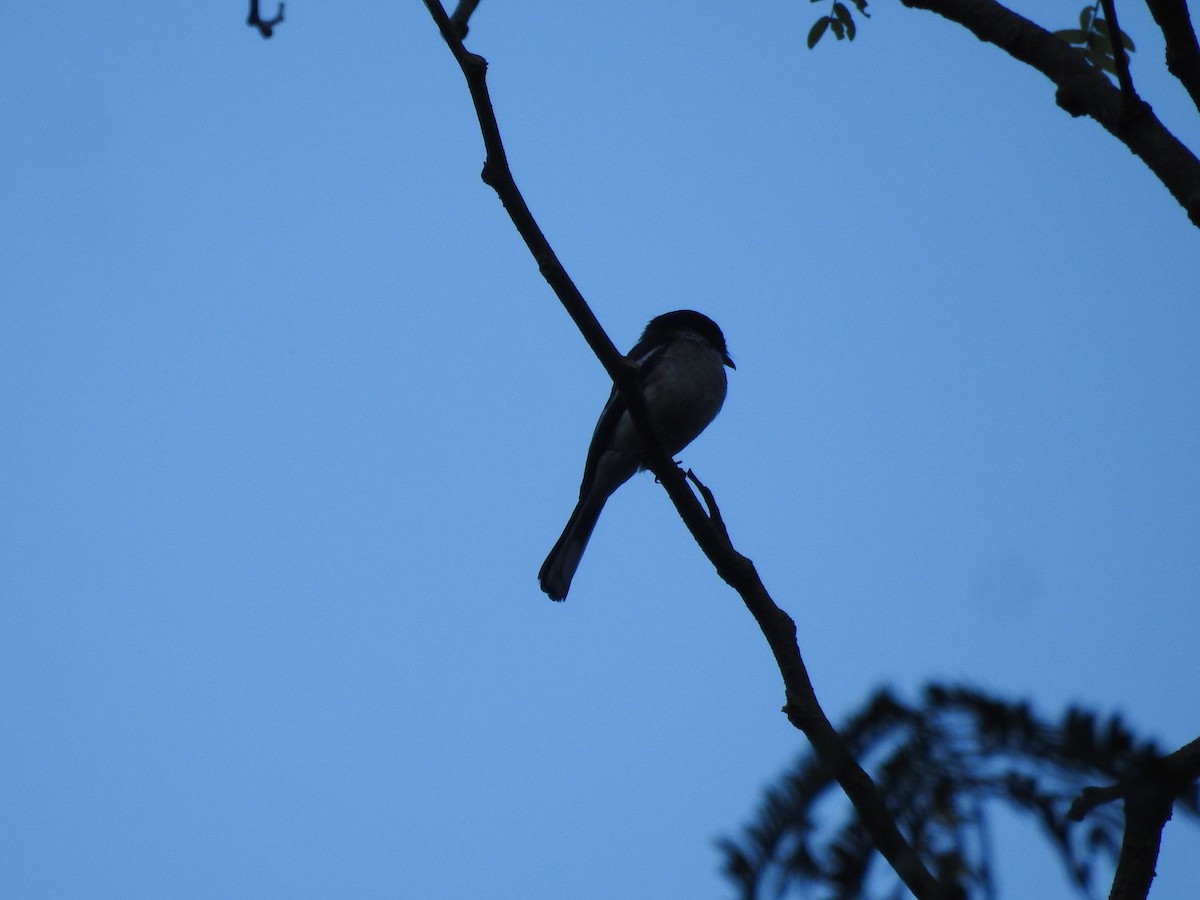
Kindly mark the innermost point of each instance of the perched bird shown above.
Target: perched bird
(681, 359)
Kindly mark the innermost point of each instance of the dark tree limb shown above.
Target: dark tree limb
(265, 26)
(1149, 797)
(802, 708)
(1082, 90)
(1183, 52)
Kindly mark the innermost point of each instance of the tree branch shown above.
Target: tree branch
(461, 14)
(1120, 57)
(265, 26)
(1183, 52)
(1149, 797)
(1082, 90)
(802, 707)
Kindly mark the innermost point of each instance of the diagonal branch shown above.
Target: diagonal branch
(802, 707)
(1082, 90)
(1183, 52)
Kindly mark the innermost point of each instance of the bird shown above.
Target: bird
(680, 359)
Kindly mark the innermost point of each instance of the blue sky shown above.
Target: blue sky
(290, 421)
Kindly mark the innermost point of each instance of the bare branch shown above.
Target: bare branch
(1175, 772)
(802, 707)
(1149, 797)
(1120, 57)
(265, 26)
(1082, 90)
(1146, 814)
(1183, 52)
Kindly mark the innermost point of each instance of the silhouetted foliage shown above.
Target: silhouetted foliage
(941, 766)
(839, 21)
(1092, 38)
(1079, 62)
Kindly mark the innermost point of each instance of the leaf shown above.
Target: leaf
(1071, 35)
(838, 27)
(1099, 43)
(844, 17)
(1085, 17)
(861, 6)
(818, 29)
(1128, 42)
(1100, 26)
(1102, 61)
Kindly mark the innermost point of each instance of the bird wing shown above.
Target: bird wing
(647, 356)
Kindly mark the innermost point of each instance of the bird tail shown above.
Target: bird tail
(559, 568)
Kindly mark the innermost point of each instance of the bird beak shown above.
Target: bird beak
(728, 361)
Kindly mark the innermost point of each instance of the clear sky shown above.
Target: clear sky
(289, 420)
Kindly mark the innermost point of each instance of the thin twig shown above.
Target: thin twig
(461, 14)
(802, 707)
(714, 511)
(1175, 772)
(1124, 79)
(265, 26)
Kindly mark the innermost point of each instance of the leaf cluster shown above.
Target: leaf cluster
(941, 765)
(1094, 39)
(839, 21)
